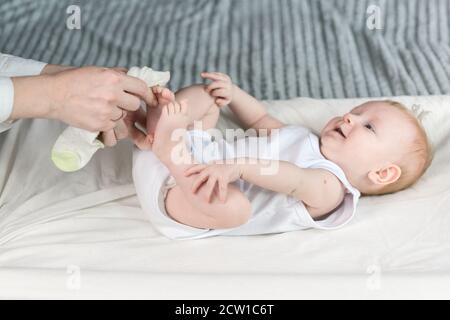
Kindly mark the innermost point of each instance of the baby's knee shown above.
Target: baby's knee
(237, 211)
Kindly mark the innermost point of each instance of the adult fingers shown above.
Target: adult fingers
(109, 138)
(151, 100)
(139, 116)
(121, 130)
(117, 114)
(137, 87)
(128, 101)
(110, 125)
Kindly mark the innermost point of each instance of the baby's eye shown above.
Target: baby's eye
(369, 126)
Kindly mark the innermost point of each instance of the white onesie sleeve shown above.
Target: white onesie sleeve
(11, 66)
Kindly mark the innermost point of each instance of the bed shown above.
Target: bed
(83, 235)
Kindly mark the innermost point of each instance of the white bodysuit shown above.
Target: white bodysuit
(271, 212)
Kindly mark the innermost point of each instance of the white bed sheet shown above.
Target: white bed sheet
(83, 235)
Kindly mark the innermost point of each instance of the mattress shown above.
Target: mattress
(83, 234)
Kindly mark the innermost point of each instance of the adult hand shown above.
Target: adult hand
(95, 98)
(160, 96)
(111, 137)
(121, 131)
(91, 98)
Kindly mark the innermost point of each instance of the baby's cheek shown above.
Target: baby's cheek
(353, 149)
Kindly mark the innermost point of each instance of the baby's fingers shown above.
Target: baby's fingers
(213, 76)
(223, 188)
(215, 85)
(194, 169)
(220, 93)
(202, 177)
(222, 102)
(210, 185)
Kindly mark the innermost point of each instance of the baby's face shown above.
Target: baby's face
(367, 138)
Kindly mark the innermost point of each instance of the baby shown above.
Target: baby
(193, 185)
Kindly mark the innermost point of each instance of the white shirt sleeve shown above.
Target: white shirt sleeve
(6, 102)
(11, 66)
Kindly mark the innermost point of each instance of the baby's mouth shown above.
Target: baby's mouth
(338, 130)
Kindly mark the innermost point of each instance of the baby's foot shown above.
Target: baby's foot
(163, 97)
(173, 116)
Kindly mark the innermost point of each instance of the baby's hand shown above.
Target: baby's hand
(221, 87)
(212, 174)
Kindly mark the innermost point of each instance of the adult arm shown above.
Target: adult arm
(91, 98)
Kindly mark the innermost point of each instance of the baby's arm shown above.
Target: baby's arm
(320, 190)
(250, 112)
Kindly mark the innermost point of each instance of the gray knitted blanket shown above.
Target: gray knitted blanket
(273, 49)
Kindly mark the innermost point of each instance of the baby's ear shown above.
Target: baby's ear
(386, 175)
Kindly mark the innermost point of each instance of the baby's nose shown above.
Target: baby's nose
(348, 118)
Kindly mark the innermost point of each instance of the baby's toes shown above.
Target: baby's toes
(183, 106)
(171, 108)
(165, 111)
(177, 107)
(157, 89)
(167, 94)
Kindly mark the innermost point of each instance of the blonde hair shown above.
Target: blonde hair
(415, 161)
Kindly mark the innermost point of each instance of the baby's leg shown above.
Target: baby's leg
(181, 203)
(201, 107)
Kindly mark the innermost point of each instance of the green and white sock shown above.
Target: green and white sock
(74, 148)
